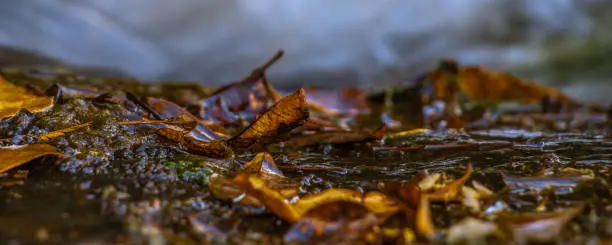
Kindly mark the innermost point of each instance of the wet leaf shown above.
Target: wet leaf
(15, 156)
(337, 222)
(261, 166)
(479, 84)
(424, 223)
(275, 123)
(62, 93)
(537, 227)
(538, 184)
(272, 200)
(15, 98)
(473, 231)
(451, 191)
(241, 101)
(166, 109)
(309, 202)
(62, 132)
(337, 102)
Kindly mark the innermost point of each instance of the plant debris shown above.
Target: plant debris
(462, 155)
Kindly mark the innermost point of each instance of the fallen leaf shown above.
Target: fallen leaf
(271, 199)
(537, 227)
(166, 109)
(423, 221)
(62, 132)
(303, 205)
(241, 101)
(62, 93)
(482, 85)
(14, 98)
(261, 166)
(274, 123)
(451, 190)
(337, 222)
(336, 103)
(536, 185)
(473, 231)
(15, 156)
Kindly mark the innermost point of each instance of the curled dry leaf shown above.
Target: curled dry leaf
(275, 123)
(14, 98)
(15, 156)
(537, 227)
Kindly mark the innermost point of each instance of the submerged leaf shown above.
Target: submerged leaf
(14, 156)
(289, 113)
(14, 98)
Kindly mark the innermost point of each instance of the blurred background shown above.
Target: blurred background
(364, 43)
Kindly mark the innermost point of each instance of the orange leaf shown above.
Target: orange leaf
(273, 200)
(14, 98)
(289, 113)
(15, 156)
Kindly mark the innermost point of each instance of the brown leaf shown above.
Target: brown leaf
(241, 101)
(289, 113)
(14, 156)
(537, 227)
(15, 98)
(166, 109)
(482, 85)
(62, 93)
(337, 102)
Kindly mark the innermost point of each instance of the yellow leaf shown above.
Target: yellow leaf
(15, 156)
(14, 98)
(272, 199)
